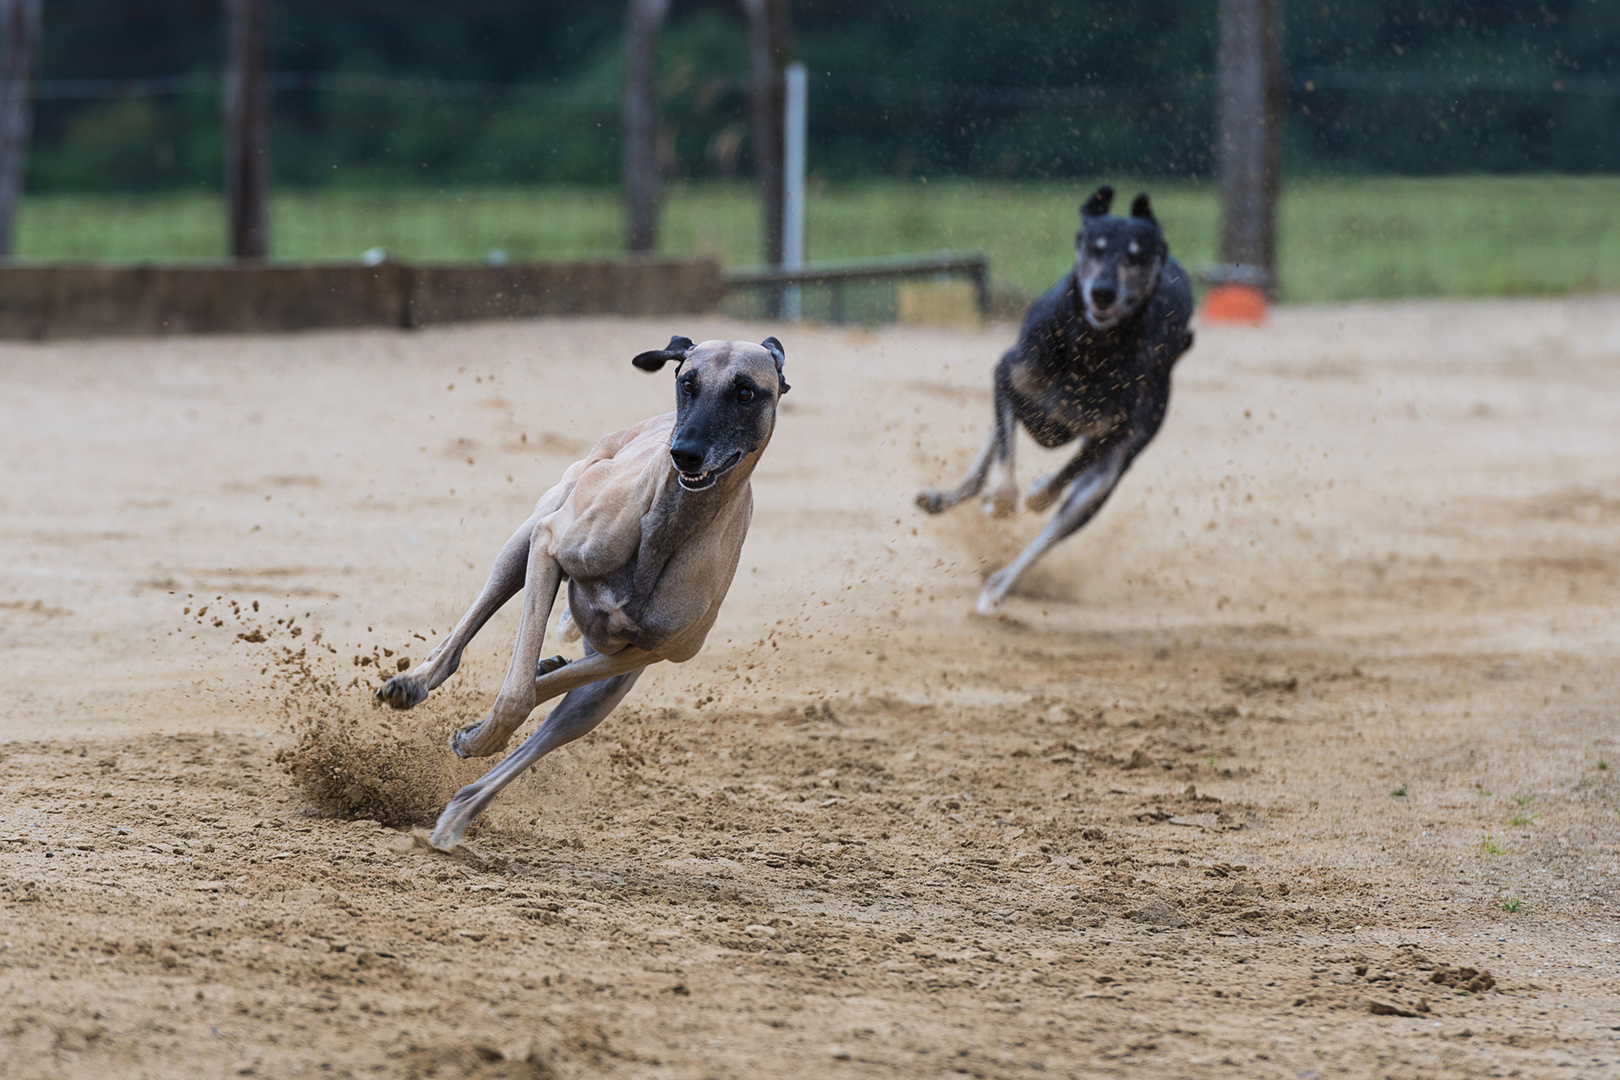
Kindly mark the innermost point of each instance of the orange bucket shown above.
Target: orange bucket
(1235, 304)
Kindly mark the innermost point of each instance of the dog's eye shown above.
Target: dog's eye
(691, 387)
(745, 395)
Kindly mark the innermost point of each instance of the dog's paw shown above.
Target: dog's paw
(1042, 493)
(1001, 501)
(452, 824)
(479, 740)
(548, 664)
(402, 692)
(931, 501)
(994, 591)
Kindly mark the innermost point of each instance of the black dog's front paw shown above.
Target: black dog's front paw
(548, 664)
(402, 692)
(930, 500)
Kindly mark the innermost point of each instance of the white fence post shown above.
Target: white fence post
(793, 167)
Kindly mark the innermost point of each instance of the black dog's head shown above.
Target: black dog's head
(725, 403)
(1117, 259)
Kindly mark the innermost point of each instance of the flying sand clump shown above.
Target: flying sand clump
(347, 757)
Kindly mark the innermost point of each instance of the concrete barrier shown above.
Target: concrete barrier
(68, 301)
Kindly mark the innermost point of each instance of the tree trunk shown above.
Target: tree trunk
(247, 126)
(1249, 119)
(19, 44)
(767, 57)
(643, 22)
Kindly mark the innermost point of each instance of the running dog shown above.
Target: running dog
(647, 531)
(1092, 363)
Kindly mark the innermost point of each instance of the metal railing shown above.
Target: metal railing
(970, 264)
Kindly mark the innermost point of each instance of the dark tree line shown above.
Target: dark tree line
(526, 91)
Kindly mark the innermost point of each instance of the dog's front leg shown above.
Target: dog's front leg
(505, 579)
(516, 699)
(1002, 498)
(936, 501)
(579, 712)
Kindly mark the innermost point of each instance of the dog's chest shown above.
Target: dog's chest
(1066, 394)
(665, 598)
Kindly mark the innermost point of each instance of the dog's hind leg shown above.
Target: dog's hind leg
(1085, 497)
(1046, 489)
(579, 712)
(491, 734)
(505, 581)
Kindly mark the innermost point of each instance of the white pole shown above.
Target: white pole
(793, 154)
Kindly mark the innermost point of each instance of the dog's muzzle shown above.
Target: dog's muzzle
(1102, 304)
(697, 481)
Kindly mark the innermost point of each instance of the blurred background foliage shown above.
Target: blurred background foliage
(1434, 147)
(524, 92)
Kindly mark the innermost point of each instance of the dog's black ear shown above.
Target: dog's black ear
(774, 347)
(676, 350)
(1096, 206)
(1141, 208)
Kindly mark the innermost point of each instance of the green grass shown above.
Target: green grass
(1340, 240)
(1523, 820)
(1512, 906)
(1491, 847)
(1399, 793)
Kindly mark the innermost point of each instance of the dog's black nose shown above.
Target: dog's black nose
(1103, 296)
(687, 457)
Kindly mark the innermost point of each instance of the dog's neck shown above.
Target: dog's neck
(677, 513)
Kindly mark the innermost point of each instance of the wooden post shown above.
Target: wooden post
(643, 22)
(247, 126)
(1249, 118)
(19, 44)
(767, 57)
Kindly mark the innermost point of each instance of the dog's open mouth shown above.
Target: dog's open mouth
(699, 481)
(1102, 320)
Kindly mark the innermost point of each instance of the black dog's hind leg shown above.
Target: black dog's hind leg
(1085, 497)
(998, 451)
(1046, 489)
(1096, 471)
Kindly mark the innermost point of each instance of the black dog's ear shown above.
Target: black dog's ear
(676, 350)
(1096, 206)
(1141, 208)
(774, 347)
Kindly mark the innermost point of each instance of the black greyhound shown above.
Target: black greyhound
(1093, 363)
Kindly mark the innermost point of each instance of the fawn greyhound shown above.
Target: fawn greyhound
(1092, 363)
(647, 531)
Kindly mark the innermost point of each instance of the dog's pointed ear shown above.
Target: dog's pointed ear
(676, 350)
(774, 347)
(1142, 208)
(1096, 206)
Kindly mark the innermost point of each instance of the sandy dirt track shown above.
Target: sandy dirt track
(1298, 762)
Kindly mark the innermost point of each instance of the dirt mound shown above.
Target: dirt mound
(350, 756)
(350, 763)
